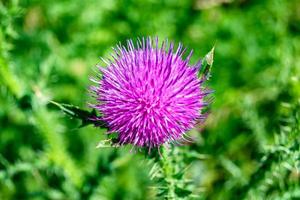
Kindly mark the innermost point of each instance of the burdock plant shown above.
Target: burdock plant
(149, 95)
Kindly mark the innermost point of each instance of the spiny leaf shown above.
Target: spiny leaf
(207, 64)
(86, 117)
(107, 143)
(210, 56)
(181, 192)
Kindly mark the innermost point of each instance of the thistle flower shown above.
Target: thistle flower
(149, 95)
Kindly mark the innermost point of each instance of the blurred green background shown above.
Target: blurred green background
(48, 50)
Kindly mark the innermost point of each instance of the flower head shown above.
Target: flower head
(148, 94)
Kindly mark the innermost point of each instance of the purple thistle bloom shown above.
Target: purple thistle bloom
(149, 95)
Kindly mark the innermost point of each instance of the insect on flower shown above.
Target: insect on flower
(149, 94)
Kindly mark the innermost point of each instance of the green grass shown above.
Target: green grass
(249, 145)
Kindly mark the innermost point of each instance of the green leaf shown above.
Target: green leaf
(207, 64)
(181, 192)
(107, 143)
(86, 117)
(210, 56)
